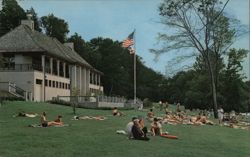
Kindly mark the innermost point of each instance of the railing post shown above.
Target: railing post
(31, 96)
(9, 86)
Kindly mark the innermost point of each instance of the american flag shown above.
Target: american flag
(129, 41)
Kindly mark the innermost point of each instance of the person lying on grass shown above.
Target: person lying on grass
(156, 128)
(45, 123)
(200, 120)
(24, 114)
(115, 112)
(137, 132)
(89, 117)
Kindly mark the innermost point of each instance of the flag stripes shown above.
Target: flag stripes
(129, 41)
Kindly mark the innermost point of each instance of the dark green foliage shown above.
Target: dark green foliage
(147, 103)
(55, 27)
(236, 92)
(193, 90)
(10, 16)
(61, 102)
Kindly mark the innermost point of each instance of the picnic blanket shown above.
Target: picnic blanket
(40, 126)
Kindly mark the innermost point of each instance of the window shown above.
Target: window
(49, 83)
(56, 84)
(9, 61)
(53, 83)
(46, 82)
(38, 81)
(62, 85)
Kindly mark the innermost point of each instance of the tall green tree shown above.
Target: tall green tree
(236, 92)
(10, 16)
(79, 43)
(55, 27)
(199, 25)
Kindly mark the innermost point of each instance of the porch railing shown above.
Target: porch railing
(22, 67)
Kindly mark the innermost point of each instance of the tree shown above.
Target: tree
(10, 16)
(79, 43)
(235, 91)
(55, 27)
(201, 26)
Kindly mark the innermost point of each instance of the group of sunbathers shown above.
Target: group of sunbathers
(180, 117)
(46, 123)
(136, 129)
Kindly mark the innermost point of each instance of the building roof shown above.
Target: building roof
(23, 39)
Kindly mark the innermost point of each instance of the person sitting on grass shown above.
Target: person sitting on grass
(43, 119)
(137, 132)
(150, 115)
(129, 128)
(45, 123)
(156, 128)
(142, 125)
(115, 112)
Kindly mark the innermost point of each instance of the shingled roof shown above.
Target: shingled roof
(23, 39)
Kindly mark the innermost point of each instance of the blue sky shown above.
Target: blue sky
(116, 19)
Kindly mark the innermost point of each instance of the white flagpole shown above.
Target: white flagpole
(134, 68)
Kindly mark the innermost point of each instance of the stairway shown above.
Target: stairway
(9, 89)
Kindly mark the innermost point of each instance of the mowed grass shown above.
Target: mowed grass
(92, 138)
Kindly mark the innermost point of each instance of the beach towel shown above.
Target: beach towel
(89, 117)
(40, 126)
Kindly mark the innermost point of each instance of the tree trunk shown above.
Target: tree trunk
(214, 95)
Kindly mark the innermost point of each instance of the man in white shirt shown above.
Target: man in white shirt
(129, 128)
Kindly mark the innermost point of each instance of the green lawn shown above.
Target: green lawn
(98, 138)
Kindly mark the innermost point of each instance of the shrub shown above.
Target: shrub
(147, 103)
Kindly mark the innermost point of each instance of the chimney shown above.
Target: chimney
(29, 22)
(70, 45)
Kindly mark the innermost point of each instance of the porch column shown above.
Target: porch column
(70, 69)
(80, 79)
(64, 69)
(87, 80)
(58, 67)
(51, 65)
(84, 80)
(43, 82)
(75, 76)
(99, 80)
